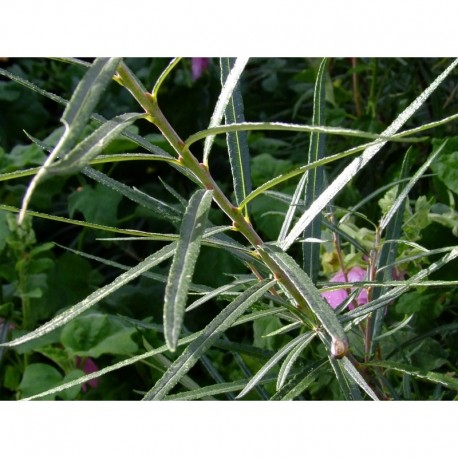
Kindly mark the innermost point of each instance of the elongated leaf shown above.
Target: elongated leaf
(388, 254)
(158, 207)
(288, 266)
(222, 344)
(183, 264)
(347, 385)
(158, 277)
(140, 141)
(85, 99)
(93, 145)
(97, 296)
(294, 202)
(283, 126)
(216, 292)
(271, 363)
(311, 251)
(75, 117)
(357, 164)
(223, 99)
(403, 195)
(237, 143)
(289, 361)
(352, 372)
(434, 377)
(193, 352)
(365, 309)
(132, 232)
(300, 382)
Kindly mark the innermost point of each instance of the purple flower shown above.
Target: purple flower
(198, 64)
(335, 298)
(88, 366)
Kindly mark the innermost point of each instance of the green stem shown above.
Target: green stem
(204, 178)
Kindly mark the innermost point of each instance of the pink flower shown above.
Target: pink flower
(335, 298)
(198, 64)
(88, 366)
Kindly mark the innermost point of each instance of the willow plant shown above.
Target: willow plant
(274, 283)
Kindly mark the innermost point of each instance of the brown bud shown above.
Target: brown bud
(339, 348)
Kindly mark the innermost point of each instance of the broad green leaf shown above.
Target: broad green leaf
(212, 332)
(184, 261)
(237, 143)
(311, 251)
(222, 344)
(272, 362)
(98, 204)
(357, 164)
(96, 296)
(71, 393)
(38, 377)
(308, 291)
(92, 145)
(446, 165)
(223, 99)
(403, 195)
(96, 334)
(433, 377)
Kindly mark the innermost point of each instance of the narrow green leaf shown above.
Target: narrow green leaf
(74, 222)
(312, 296)
(237, 143)
(283, 126)
(85, 99)
(388, 253)
(93, 145)
(271, 363)
(216, 292)
(97, 296)
(212, 332)
(164, 75)
(434, 377)
(299, 382)
(222, 344)
(311, 251)
(357, 164)
(370, 307)
(347, 385)
(76, 114)
(352, 372)
(289, 361)
(223, 100)
(158, 207)
(140, 141)
(184, 261)
(158, 277)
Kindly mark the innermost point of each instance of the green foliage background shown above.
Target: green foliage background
(39, 277)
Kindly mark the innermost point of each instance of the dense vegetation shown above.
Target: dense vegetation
(130, 207)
